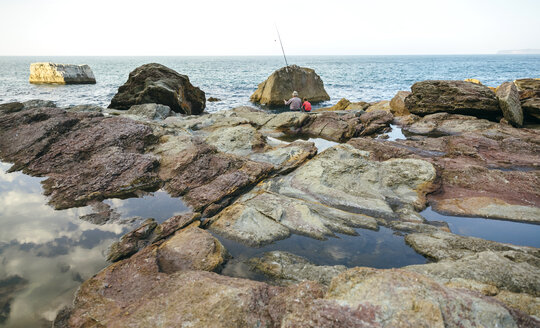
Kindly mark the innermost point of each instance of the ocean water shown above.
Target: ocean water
(234, 79)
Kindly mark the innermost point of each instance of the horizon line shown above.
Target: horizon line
(325, 55)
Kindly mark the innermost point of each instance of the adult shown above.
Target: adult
(295, 102)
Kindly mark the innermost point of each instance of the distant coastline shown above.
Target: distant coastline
(519, 52)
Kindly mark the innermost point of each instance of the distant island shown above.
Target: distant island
(519, 52)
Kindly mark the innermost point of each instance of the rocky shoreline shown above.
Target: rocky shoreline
(242, 183)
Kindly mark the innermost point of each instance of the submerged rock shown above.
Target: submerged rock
(85, 108)
(61, 74)
(155, 83)
(284, 81)
(457, 97)
(191, 248)
(286, 268)
(36, 103)
(150, 111)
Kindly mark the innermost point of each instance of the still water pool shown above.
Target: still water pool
(46, 254)
(516, 233)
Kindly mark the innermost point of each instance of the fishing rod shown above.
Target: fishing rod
(282, 50)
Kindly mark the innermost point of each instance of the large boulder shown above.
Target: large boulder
(61, 74)
(457, 97)
(397, 104)
(284, 81)
(508, 96)
(527, 84)
(155, 83)
(529, 94)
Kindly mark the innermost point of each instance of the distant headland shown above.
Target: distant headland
(519, 52)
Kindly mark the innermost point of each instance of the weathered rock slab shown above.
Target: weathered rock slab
(397, 104)
(336, 191)
(51, 73)
(508, 96)
(457, 97)
(84, 155)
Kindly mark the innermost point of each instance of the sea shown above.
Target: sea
(46, 254)
(234, 79)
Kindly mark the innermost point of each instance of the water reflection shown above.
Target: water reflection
(158, 205)
(45, 254)
(396, 133)
(517, 233)
(379, 249)
(320, 143)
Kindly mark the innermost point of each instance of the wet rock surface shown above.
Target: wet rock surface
(337, 190)
(286, 268)
(246, 186)
(85, 156)
(155, 83)
(474, 159)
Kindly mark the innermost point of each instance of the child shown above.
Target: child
(306, 106)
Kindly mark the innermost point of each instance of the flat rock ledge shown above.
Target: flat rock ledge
(51, 73)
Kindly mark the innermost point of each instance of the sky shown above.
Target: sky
(238, 27)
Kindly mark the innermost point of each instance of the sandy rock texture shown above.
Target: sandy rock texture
(280, 85)
(457, 97)
(51, 73)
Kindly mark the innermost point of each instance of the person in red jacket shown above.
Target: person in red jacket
(306, 106)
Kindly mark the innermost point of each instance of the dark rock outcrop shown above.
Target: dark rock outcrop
(457, 97)
(84, 155)
(155, 83)
(284, 81)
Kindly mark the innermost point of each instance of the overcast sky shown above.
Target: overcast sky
(237, 27)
